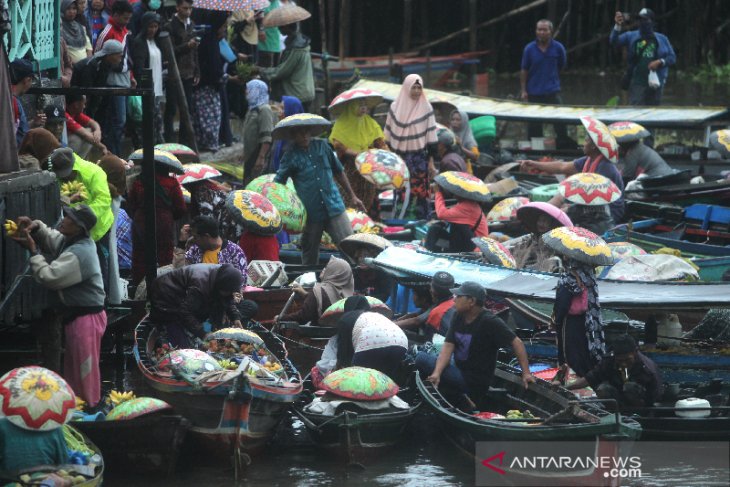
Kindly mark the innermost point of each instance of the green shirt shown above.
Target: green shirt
(257, 128)
(272, 43)
(21, 449)
(645, 54)
(294, 74)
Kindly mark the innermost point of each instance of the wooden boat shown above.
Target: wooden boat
(236, 416)
(687, 194)
(356, 434)
(305, 343)
(148, 444)
(560, 417)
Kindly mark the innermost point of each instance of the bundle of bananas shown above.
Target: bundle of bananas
(517, 414)
(80, 404)
(116, 397)
(228, 364)
(11, 228)
(70, 188)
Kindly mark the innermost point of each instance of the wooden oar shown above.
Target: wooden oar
(283, 311)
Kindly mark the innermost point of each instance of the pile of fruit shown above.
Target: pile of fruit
(116, 397)
(229, 354)
(517, 414)
(71, 188)
(59, 477)
(11, 228)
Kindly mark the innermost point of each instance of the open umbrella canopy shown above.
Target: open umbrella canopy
(184, 153)
(385, 169)
(333, 313)
(591, 189)
(360, 383)
(290, 14)
(506, 210)
(231, 5)
(254, 211)
(579, 244)
(720, 141)
(164, 158)
(350, 244)
(464, 185)
(625, 132)
(197, 172)
(134, 408)
(284, 198)
(238, 334)
(286, 127)
(35, 398)
(370, 97)
(601, 136)
(530, 213)
(494, 252)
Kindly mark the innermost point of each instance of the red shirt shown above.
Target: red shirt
(465, 212)
(74, 124)
(259, 247)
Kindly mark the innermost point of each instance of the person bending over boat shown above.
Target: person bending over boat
(184, 298)
(371, 341)
(628, 376)
(336, 282)
(529, 251)
(637, 158)
(437, 318)
(466, 219)
(577, 320)
(474, 338)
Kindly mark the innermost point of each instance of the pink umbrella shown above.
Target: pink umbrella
(231, 5)
(529, 213)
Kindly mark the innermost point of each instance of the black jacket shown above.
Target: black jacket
(140, 49)
(91, 72)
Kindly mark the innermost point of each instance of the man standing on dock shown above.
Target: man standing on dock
(542, 61)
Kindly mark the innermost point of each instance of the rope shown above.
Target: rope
(298, 344)
(75, 440)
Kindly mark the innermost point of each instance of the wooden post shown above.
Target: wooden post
(323, 35)
(472, 43)
(148, 176)
(407, 24)
(344, 28)
(175, 83)
(427, 81)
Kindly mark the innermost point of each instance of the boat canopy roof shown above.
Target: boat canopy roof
(680, 117)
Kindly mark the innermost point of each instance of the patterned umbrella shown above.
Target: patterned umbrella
(253, 211)
(529, 214)
(161, 157)
(494, 252)
(360, 383)
(350, 244)
(720, 141)
(587, 188)
(134, 408)
(189, 362)
(601, 136)
(285, 15)
(372, 98)
(285, 128)
(284, 198)
(361, 222)
(579, 244)
(625, 132)
(35, 398)
(332, 314)
(197, 172)
(506, 209)
(385, 169)
(184, 153)
(231, 5)
(238, 334)
(619, 250)
(464, 185)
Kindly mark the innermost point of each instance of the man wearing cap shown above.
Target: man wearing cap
(628, 376)
(648, 52)
(21, 77)
(437, 318)
(474, 339)
(55, 121)
(65, 261)
(93, 72)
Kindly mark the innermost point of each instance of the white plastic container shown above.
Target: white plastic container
(524, 145)
(692, 403)
(537, 143)
(669, 330)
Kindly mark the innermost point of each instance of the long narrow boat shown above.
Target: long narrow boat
(559, 417)
(233, 416)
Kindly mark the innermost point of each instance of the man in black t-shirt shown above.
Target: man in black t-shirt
(474, 338)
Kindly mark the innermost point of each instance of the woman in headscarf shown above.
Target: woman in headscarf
(146, 54)
(355, 131)
(336, 282)
(530, 251)
(257, 128)
(73, 32)
(116, 178)
(35, 148)
(577, 320)
(169, 205)
(410, 130)
(459, 122)
(292, 106)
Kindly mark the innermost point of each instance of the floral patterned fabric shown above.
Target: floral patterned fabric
(230, 253)
(417, 163)
(207, 119)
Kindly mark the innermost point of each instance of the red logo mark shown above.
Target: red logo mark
(487, 463)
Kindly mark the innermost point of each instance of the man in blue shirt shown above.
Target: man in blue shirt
(542, 61)
(21, 77)
(312, 165)
(647, 51)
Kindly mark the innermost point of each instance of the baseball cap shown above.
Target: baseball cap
(82, 215)
(471, 289)
(646, 13)
(62, 162)
(20, 69)
(442, 280)
(54, 113)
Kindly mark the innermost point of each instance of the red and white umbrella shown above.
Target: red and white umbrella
(231, 5)
(372, 98)
(587, 188)
(197, 172)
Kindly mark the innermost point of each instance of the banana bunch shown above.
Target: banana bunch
(116, 397)
(11, 228)
(228, 364)
(517, 414)
(70, 188)
(80, 404)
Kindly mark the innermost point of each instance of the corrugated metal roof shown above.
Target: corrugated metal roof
(690, 117)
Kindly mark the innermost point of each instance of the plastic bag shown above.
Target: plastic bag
(134, 108)
(654, 80)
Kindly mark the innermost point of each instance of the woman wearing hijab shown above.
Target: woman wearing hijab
(35, 148)
(146, 54)
(116, 178)
(354, 132)
(530, 251)
(410, 131)
(73, 32)
(257, 128)
(292, 106)
(577, 320)
(336, 282)
(459, 122)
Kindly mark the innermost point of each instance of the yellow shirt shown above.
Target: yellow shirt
(211, 256)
